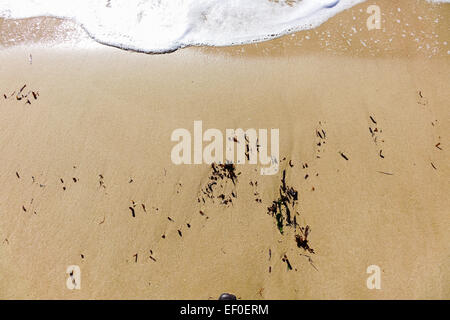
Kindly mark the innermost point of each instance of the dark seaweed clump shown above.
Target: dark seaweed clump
(215, 188)
(284, 213)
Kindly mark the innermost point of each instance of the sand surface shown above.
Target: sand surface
(95, 141)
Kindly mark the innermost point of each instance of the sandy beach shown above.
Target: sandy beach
(87, 178)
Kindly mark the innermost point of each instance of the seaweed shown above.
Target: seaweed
(215, 188)
(283, 210)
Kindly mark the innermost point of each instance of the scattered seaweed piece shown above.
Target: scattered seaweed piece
(20, 92)
(321, 141)
(386, 173)
(302, 239)
(288, 263)
(343, 156)
(101, 181)
(255, 191)
(216, 187)
(310, 260)
(375, 132)
(283, 210)
(422, 101)
(23, 95)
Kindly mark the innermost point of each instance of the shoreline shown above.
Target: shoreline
(411, 31)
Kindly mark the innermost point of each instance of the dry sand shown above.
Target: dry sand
(103, 112)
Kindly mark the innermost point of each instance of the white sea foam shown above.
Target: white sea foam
(166, 25)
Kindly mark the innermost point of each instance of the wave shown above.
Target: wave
(159, 26)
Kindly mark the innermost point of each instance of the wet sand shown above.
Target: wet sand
(94, 141)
